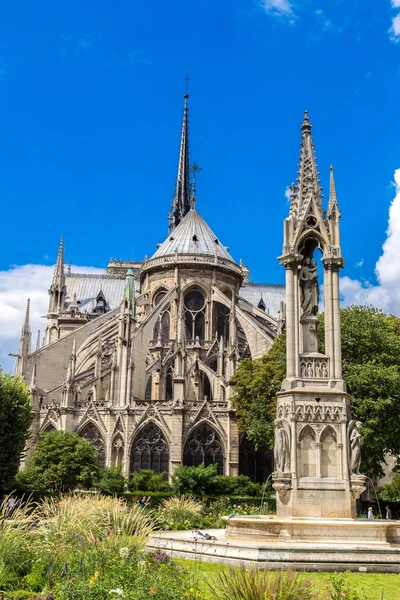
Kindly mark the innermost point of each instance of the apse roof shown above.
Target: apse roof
(272, 295)
(192, 236)
(87, 287)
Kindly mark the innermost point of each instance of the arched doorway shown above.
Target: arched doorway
(91, 432)
(150, 451)
(204, 446)
(256, 464)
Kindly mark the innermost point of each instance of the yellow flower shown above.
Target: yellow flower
(93, 579)
(153, 591)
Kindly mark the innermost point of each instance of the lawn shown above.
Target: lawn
(371, 584)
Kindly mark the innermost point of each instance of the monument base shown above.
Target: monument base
(301, 544)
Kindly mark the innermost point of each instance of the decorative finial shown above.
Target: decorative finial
(306, 125)
(69, 268)
(194, 169)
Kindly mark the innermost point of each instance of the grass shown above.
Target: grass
(203, 574)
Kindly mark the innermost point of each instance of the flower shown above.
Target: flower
(124, 552)
(117, 591)
(93, 579)
(153, 591)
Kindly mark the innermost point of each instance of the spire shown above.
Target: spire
(26, 330)
(38, 340)
(129, 289)
(181, 202)
(308, 185)
(332, 204)
(58, 275)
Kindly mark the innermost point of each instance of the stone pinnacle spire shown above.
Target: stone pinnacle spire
(38, 342)
(332, 204)
(129, 289)
(26, 330)
(181, 202)
(308, 188)
(59, 275)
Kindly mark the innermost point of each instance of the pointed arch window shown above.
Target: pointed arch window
(150, 451)
(169, 385)
(307, 454)
(148, 392)
(194, 303)
(222, 320)
(328, 453)
(162, 326)
(204, 446)
(91, 432)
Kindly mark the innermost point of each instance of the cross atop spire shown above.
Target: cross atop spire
(180, 205)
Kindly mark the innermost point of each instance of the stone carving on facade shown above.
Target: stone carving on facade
(313, 367)
(320, 412)
(309, 291)
(282, 446)
(282, 487)
(354, 437)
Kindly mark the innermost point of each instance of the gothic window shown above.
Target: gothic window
(328, 453)
(307, 458)
(49, 428)
(162, 326)
(91, 433)
(222, 320)
(194, 314)
(148, 392)
(169, 385)
(150, 451)
(204, 446)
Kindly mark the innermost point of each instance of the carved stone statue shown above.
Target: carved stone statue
(309, 291)
(354, 447)
(282, 446)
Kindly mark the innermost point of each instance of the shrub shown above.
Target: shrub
(390, 492)
(252, 584)
(339, 587)
(180, 512)
(111, 481)
(15, 554)
(147, 481)
(195, 480)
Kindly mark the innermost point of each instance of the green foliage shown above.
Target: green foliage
(256, 384)
(62, 462)
(15, 419)
(253, 584)
(111, 481)
(148, 481)
(371, 369)
(340, 587)
(195, 480)
(390, 492)
(180, 512)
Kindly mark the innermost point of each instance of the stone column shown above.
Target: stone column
(318, 459)
(329, 319)
(176, 448)
(339, 459)
(290, 323)
(336, 323)
(296, 321)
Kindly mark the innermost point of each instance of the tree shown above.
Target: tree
(371, 370)
(62, 462)
(256, 383)
(15, 419)
(111, 481)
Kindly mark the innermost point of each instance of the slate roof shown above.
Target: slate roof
(192, 236)
(87, 287)
(271, 293)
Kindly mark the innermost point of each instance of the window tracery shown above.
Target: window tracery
(204, 446)
(150, 451)
(194, 303)
(90, 432)
(162, 326)
(222, 320)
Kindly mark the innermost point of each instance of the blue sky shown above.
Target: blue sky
(91, 107)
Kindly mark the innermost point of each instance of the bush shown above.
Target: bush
(252, 584)
(111, 481)
(182, 512)
(199, 481)
(339, 587)
(390, 492)
(148, 481)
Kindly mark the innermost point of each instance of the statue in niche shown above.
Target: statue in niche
(309, 290)
(354, 447)
(303, 369)
(324, 370)
(282, 446)
(317, 370)
(310, 372)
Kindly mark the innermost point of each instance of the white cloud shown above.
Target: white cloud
(395, 28)
(16, 286)
(280, 7)
(386, 294)
(396, 3)
(287, 194)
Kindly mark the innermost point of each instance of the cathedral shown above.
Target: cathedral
(139, 359)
